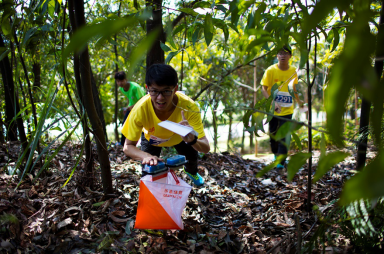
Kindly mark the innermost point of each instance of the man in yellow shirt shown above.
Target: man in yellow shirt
(283, 75)
(163, 102)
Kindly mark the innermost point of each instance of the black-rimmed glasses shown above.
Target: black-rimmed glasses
(163, 93)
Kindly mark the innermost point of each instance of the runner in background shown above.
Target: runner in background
(281, 74)
(132, 91)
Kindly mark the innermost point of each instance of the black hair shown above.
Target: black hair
(161, 75)
(287, 48)
(120, 75)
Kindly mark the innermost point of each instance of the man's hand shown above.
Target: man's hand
(151, 160)
(191, 136)
(277, 107)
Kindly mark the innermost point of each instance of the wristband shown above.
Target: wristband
(192, 142)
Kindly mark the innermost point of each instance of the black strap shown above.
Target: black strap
(193, 141)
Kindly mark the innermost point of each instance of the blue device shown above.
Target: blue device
(176, 161)
(154, 169)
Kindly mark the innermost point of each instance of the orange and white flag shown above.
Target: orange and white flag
(161, 204)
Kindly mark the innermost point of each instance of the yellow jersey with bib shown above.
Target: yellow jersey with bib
(143, 119)
(273, 75)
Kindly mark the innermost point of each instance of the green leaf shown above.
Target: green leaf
(327, 162)
(189, 11)
(221, 24)
(202, 5)
(336, 38)
(297, 140)
(246, 118)
(208, 29)
(271, 166)
(368, 183)
(28, 35)
(140, 51)
(295, 163)
(5, 25)
(98, 204)
(348, 71)
(164, 47)
(136, 5)
(104, 29)
(57, 128)
(260, 41)
(320, 12)
(234, 10)
(286, 129)
(170, 56)
(323, 146)
(195, 35)
(51, 8)
(221, 8)
(4, 54)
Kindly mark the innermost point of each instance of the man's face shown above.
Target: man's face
(121, 82)
(161, 96)
(283, 56)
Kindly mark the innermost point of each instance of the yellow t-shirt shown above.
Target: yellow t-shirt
(143, 118)
(273, 75)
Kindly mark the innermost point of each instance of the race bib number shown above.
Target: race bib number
(284, 99)
(157, 141)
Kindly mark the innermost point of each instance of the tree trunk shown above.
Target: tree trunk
(89, 104)
(98, 106)
(89, 158)
(214, 123)
(116, 96)
(229, 130)
(1, 129)
(155, 54)
(36, 69)
(365, 104)
(11, 102)
(116, 87)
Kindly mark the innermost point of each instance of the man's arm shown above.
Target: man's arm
(135, 153)
(201, 145)
(297, 96)
(264, 91)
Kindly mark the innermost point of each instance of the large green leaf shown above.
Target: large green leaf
(336, 38)
(286, 129)
(208, 29)
(104, 29)
(170, 56)
(271, 166)
(189, 11)
(327, 162)
(202, 4)
(368, 183)
(28, 35)
(5, 25)
(195, 35)
(349, 71)
(140, 51)
(4, 53)
(297, 140)
(259, 41)
(295, 163)
(221, 24)
(320, 12)
(164, 47)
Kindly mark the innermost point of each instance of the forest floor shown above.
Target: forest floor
(234, 212)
